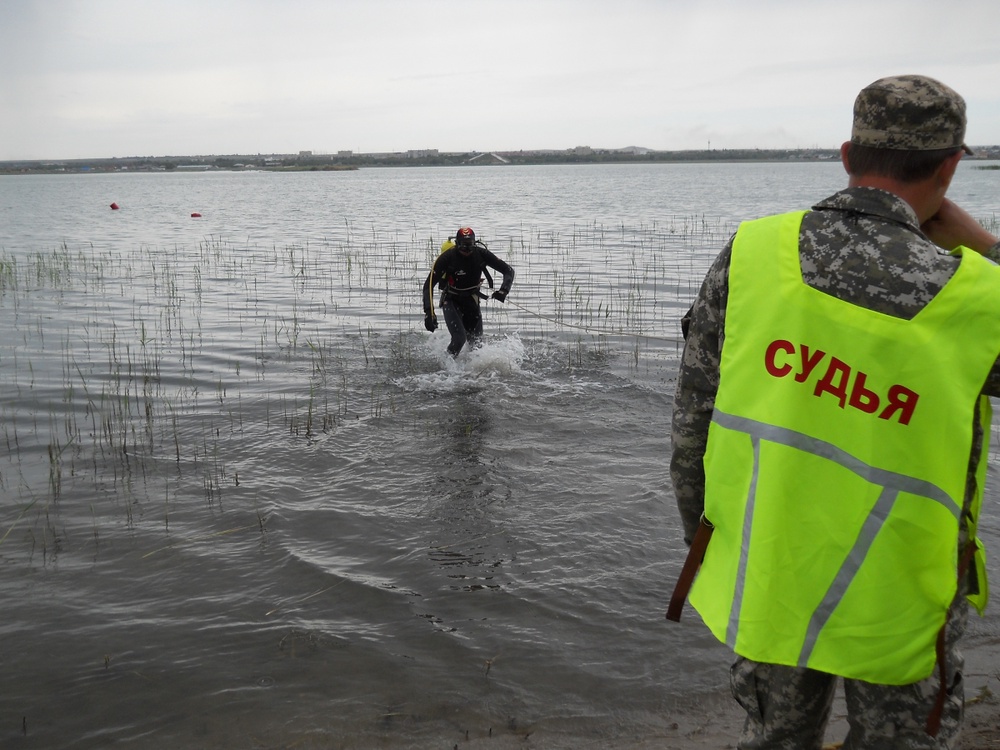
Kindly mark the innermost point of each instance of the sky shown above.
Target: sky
(119, 78)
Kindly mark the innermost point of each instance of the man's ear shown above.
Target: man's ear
(844, 148)
(947, 169)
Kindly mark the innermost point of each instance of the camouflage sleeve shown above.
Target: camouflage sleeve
(994, 253)
(694, 398)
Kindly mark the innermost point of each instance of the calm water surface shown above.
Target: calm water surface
(247, 501)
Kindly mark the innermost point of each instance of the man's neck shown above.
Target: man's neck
(923, 197)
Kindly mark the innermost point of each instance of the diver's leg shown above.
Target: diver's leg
(453, 319)
(472, 319)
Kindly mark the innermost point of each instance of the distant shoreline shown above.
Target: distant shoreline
(307, 161)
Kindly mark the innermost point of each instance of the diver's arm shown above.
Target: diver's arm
(437, 271)
(428, 295)
(508, 273)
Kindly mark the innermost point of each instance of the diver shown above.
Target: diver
(459, 271)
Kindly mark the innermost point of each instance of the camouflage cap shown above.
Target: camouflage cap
(909, 113)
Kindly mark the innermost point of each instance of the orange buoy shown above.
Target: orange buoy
(114, 206)
(195, 216)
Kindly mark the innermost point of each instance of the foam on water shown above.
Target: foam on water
(492, 362)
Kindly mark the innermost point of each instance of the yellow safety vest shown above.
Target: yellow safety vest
(836, 464)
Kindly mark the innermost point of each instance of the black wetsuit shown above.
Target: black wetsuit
(459, 275)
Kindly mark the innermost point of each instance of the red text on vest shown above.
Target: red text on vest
(848, 386)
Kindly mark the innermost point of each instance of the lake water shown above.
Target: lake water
(247, 501)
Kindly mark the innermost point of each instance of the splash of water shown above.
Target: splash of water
(495, 359)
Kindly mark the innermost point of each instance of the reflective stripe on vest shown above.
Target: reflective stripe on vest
(836, 464)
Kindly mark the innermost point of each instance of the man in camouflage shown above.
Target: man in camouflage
(876, 244)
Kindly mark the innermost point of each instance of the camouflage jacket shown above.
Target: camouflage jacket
(861, 245)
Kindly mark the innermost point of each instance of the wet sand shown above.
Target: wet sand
(715, 724)
(718, 726)
(720, 732)
(718, 729)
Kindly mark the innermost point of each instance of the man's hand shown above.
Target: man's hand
(430, 322)
(499, 295)
(952, 226)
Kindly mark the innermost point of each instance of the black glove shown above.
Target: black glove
(500, 295)
(430, 322)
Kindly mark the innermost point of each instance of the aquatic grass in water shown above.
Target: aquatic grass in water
(160, 356)
(130, 374)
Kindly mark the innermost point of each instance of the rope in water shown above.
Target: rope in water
(673, 340)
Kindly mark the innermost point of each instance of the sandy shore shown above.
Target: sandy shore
(718, 729)
(715, 724)
(981, 732)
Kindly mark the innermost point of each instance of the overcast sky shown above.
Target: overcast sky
(101, 78)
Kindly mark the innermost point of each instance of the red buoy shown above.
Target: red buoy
(114, 206)
(195, 216)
